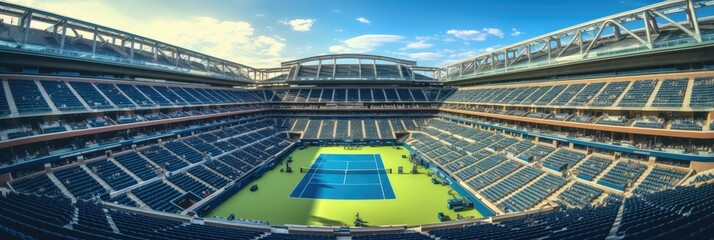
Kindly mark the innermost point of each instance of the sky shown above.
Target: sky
(263, 33)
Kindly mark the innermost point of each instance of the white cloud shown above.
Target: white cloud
(494, 31)
(260, 15)
(231, 40)
(364, 43)
(335, 11)
(421, 44)
(515, 32)
(21, 2)
(300, 24)
(427, 56)
(363, 20)
(476, 35)
(339, 30)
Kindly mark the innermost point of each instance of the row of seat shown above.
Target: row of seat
(671, 93)
(622, 175)
(28, 96)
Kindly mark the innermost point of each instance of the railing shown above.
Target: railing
(681, 42)
(112, 59)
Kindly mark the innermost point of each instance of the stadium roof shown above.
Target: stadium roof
(657, 27)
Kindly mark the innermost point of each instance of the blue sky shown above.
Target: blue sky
(261, 33)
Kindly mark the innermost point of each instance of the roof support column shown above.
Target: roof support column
(693, 21)
(374, 64)
(548, 48)
(319, 66)
(154, 50)
(505, 59)
(64, 35)
(399, 69)
(131, 50)
(359, 64)
(25, 22)
(94, 42)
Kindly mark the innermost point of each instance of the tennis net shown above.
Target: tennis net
(345, 171)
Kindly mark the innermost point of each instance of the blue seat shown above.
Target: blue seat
(27, 96)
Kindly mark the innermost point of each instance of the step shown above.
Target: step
(61, 186)
(111, 221)
(542, 175)
(554, 196)
(486, 170)
(47, 97)
(10, 99)
(334, 129)
(485, 201)
(177, 188)
(218, 173)
(624, 92)
(502, 178)
(550, 198)
(138, 201)
(688, 93)
(362, 134)
(379, 133)
(604, 171)
(156, 166)
(595, 95)
(319, 128)
(97, 178)
(134, 176)
(577, 164)
(641, 178)
(201, 181)
(103, 95)
(653, 96)
(600, 198)
(127, 96)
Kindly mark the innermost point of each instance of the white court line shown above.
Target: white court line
(346, 168)
(351, 184)
(381, 187)
(313, 175)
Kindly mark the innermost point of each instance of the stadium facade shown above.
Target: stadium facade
(603, 129)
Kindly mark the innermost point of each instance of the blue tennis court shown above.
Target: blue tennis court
(345, 176)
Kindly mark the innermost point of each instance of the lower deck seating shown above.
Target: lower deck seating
(579, 195)
(533, 194)
(40, 184)
(592, 167)
(158, 196)
(189, 184)
(660, 178)
(136, 164)
(536, 152)
(494, 174)
(27, 96)
(111, 174)
(510, 183)
(4, 107)
(80, 183)
(592, 223)
(163, 158)
(208, 176)
(622, 175)
(562, 159)
(387, 236)
(91, 218)
(682, 213)
(123, 199)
